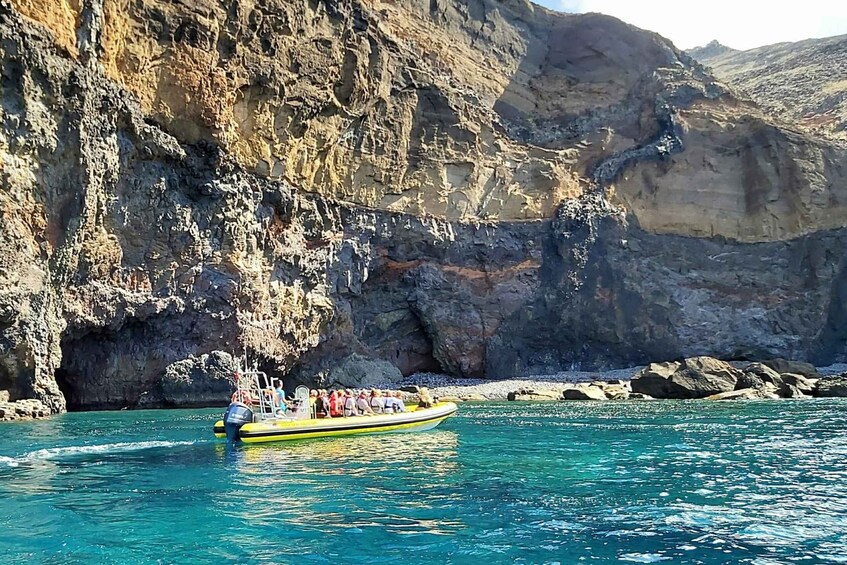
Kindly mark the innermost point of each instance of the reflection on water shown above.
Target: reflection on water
(392, 473)
(436, 450)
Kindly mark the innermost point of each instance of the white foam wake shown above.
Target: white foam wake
(76, 450)
(9, 461)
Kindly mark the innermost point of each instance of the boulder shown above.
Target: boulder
(26, 409)
(797, 367)
(801, 383)
(709, 366)
(5, 396)
(590, 392)
(412, 389)
(616, 392)
(697, 377)
(449, 398)
(358, 371)
(744, 394)
(831, 386)
(206, 380)
(787, 385)
(755, 375)
(659, 370)
(790, 391)
(639, 396)
(474, 398)
(534, 395)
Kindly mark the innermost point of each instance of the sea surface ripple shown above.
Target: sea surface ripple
(643, 482)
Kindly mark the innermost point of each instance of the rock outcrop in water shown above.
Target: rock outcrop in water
(484, 188)
(704, 377)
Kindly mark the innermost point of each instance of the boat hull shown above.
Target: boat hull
(421, 419)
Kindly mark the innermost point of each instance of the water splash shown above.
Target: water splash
(53, 453)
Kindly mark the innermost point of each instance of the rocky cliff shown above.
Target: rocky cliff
(481, 188)
(803, 82)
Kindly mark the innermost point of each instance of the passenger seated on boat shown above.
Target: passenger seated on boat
(387, 402)
(363, 407)
(377, 402)
(399, 405)
(322, 405)
(350, 404)
(336, 404)
(425, 399)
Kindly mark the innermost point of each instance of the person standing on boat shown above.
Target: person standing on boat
(280, 395)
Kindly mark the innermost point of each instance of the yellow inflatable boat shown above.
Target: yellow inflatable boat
(254, 416)
(280, 429)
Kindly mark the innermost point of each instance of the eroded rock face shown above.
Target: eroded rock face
(488, 189)
(493, 109)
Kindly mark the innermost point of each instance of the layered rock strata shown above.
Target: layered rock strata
(485, 189)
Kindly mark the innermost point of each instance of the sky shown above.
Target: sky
(740, 24)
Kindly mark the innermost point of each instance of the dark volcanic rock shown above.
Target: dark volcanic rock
(584, 393)
(207, 380)
(797, 367)
(831, 386)
(356, 371)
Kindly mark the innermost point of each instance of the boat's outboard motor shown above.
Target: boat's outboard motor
(236, 416)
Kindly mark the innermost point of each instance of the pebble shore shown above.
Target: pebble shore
(492, 389)
(440, 385)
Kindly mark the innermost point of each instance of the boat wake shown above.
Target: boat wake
(8, 461)
(53, 453)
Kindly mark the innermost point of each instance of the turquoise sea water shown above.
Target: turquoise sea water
(678, 482)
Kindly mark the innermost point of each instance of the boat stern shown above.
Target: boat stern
(235, 417)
